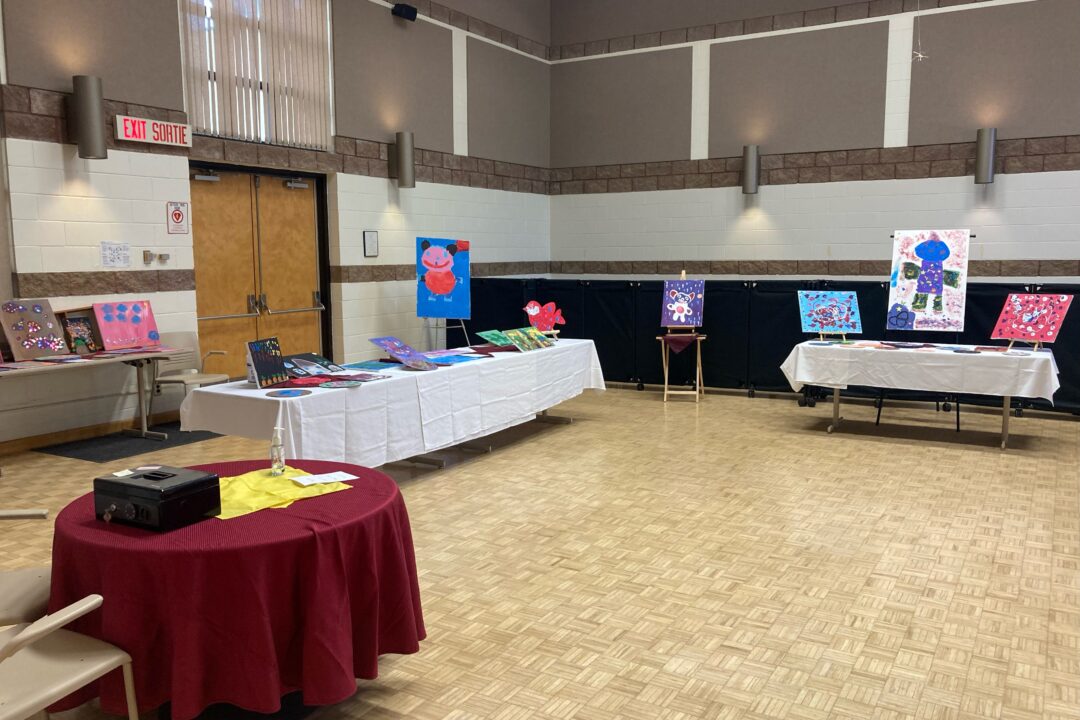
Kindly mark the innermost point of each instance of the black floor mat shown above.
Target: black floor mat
(117, 446)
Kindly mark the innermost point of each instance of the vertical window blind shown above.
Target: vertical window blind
(258, 70)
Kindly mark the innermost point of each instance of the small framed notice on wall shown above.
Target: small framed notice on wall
(371, 243)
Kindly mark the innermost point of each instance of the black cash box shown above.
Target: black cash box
(159, 498)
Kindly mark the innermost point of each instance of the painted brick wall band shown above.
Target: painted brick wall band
(34, 114)
(103, 282)
(767, 23)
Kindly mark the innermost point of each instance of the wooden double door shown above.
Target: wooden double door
(256, 265)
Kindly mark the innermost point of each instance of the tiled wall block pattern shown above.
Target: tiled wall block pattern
(1026, 224)
(63, 207)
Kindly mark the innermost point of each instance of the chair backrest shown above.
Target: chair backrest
(50, 623)
(186, 340)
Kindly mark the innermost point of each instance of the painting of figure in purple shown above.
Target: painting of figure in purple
(929, 280)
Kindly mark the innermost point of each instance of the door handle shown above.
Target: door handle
(253, 308)
(316, 301)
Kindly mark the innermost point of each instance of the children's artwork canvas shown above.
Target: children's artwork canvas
(127, 324)
(308, 364)
(32, 329)
(1032, 318)
(683, 303)
(543, 317)
(403, 353)
(79, 330)
(928, 286)
(265, 365)
(829, 312)
(495, 337)
(521, 341)
(442, 278)
(539, 337)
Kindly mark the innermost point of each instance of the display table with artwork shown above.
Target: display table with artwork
(933, 368)
(409, 414)
(242, 611)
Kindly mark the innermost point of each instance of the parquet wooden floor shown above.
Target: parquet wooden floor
(724, 560)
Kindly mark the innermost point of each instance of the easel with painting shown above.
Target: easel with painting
(681, 312)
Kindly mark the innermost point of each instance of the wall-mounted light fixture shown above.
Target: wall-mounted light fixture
(751, 169)
(87, 117)
(985, 140)
(403, 159)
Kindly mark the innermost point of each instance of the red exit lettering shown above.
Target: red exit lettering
(134, 129)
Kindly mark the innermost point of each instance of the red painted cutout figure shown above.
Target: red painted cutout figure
(544, 318)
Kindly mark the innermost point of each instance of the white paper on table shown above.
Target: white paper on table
(332, 477)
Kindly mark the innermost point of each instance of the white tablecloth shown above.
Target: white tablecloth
(412, 413)
(986, 373)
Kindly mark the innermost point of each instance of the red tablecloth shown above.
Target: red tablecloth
(247, 610)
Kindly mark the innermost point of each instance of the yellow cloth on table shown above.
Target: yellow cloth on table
(257, 490)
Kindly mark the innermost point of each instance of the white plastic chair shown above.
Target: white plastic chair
(24, 594)
(185, 370)
(40, 663)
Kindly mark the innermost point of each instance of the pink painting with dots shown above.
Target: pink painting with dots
(127, 324)
(1032, 318)
(32, 329)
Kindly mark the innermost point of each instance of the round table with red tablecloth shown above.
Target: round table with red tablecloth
(244, 611)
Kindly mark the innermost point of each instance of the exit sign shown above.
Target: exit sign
(157, 132)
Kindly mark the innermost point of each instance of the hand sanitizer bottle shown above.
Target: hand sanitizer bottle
(277, 454)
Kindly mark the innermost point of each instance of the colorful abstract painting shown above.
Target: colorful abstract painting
(683, 303)
(525, 340)
(403, 353)
(442, 278)
(543, 317)
(127, 324)
(538, 336)
(265, 365)
(829, 312)
(79, 330)
(928, 286)
(495, 337)
(32, 329)
(1032, 318)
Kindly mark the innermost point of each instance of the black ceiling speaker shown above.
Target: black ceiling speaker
(403, 11)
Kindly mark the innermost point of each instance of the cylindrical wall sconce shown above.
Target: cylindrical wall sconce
(984, 155)
(751, 169)
(403, 156)
(87, 117)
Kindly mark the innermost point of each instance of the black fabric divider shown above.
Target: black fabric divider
(727, 323)
(496, 305)
(774, 330)
(568, 296)
(610, 323)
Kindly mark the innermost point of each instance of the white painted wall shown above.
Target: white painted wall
(1020, 216)
(62, 208)
(502, 227)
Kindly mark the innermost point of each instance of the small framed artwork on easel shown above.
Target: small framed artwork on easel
(830, 312)
(681, 311)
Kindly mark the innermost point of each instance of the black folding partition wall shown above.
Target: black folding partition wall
(751, 325)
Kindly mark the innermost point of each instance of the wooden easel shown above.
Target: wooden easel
(665, 352)
(552, 334)
(1037, 346)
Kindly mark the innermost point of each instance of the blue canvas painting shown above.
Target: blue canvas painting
(830, 312)
(683, 303)
(442, 278)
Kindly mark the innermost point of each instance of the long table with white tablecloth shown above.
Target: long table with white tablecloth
(932, 368)
(407, 415)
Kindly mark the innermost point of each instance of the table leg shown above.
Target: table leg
(1005, 403)
(835, 411)
(140, 383)
(544, 417)
(664, 356)
(700, 374)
